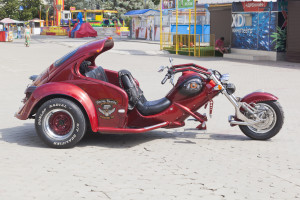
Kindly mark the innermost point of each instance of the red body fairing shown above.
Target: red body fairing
(258, 97)
(66, 81)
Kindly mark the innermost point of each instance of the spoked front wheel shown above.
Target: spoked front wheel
(273, 117)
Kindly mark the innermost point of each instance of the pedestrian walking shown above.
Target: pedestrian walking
(27, 35)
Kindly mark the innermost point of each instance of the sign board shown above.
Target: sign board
(72, 8)
(186, 4)
(168, 4)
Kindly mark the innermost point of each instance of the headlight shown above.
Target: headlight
(224, 78)
(230, 88)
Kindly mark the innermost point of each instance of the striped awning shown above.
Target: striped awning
(144, 12)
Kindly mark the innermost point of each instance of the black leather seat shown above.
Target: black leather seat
(153, 107)
(137, 99)
(97, 73)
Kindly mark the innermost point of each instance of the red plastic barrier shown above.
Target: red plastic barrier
(2, 36)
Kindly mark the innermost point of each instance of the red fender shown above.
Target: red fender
(61, 88)
(258, 97)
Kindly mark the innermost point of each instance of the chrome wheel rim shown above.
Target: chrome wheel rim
(268, 116)
(58, 124)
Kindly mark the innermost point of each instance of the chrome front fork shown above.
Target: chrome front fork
(237, 105)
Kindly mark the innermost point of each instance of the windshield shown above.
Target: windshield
(64, 58)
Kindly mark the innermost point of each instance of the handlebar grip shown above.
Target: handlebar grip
(165, 79)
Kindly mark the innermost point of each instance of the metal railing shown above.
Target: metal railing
(199, 45)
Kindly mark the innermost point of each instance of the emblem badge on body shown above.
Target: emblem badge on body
(106, 108)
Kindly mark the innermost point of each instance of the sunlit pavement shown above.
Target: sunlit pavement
(163, 164)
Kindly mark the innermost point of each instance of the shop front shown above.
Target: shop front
(260, 28)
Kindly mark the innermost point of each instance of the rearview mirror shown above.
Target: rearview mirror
(171, 60)
(161, 68)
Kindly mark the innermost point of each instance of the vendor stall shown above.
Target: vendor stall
(145, 24)
(6, 30)
(36, 25)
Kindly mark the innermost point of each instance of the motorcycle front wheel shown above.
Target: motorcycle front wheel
(273, 117)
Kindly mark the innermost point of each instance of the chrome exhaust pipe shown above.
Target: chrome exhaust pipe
(239, 123)
(233, 122)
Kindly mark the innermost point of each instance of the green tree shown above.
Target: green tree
(31, 9)
(156, 2)
(123, 6)
(9, 8)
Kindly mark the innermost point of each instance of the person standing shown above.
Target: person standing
(150, 30)
(27, 34)
(19, 32)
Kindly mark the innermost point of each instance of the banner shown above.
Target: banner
(185, 4)
(168, 4)
(254, 6)
(253, 30)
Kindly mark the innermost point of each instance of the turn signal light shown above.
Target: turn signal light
(218, 87)
(212, 83)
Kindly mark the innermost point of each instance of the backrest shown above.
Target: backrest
(84, 67)
(133, 91)
(98, 74)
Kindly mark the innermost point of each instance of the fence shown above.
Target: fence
(200, 45)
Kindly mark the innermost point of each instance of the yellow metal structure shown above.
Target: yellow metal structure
(160, 28)
(98, 17)
(189, 40)
(195, 25)
(187, 44)
(183, 44)
(176, 27)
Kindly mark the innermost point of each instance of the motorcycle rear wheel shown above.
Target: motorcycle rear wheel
(274, 119)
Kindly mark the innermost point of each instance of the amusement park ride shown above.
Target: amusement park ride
(64, 20)
(96, 18)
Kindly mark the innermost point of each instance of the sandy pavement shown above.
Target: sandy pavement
(163, 164)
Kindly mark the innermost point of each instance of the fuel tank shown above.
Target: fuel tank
(190, 84)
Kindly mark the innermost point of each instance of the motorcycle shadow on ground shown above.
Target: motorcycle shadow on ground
(25, 135)
(131, 140)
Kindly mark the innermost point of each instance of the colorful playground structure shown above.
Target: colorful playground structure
(82, 29)
(66, 22)
(97, 18)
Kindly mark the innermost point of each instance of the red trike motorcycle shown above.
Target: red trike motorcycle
(74, 95)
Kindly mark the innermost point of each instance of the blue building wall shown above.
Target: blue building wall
(184, 29)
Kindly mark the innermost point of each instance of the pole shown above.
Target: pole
(160, 28)
(47, 17)
(189, 36)
(195, 23)
(176, 27)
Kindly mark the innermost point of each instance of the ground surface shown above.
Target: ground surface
(162, 164)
